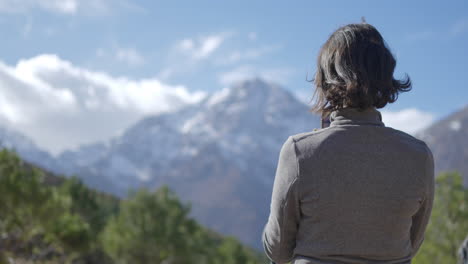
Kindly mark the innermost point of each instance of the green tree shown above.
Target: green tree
(95, 208)
(42, 214)
(23, 196)
(232, 252)
(448, 225)
(156, 228)
(150, 228)
(35, 216)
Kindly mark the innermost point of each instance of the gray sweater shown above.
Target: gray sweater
(355, 192)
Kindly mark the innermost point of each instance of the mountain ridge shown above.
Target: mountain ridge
(220, 154)
(447, 140)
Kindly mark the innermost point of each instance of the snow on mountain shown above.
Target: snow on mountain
(219, 154)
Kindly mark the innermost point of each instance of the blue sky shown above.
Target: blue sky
(178, 50)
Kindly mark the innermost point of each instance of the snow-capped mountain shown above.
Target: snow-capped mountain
(448, 140)
(219, 154)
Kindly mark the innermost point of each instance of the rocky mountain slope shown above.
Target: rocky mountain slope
(448, 140)
(220, 155)
(26, 148)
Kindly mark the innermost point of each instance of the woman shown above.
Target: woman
(356, 191)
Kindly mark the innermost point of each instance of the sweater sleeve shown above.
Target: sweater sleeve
(279, 234)
(421, 218)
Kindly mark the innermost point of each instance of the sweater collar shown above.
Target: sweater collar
(355, 116)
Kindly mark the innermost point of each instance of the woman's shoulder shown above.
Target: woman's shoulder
(309, 141)
(316, 133)
(413, 142)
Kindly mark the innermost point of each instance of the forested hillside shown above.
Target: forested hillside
(448, 226)
(50, 219)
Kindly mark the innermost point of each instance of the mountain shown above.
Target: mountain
(26, 148)
(219, 154)
(447, 139)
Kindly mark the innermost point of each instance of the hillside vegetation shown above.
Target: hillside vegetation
(448, 226)
(50, 219)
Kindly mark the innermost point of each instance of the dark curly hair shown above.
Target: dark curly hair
(355, 69)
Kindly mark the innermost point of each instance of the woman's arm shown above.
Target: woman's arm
(421, 218)
(279, 234)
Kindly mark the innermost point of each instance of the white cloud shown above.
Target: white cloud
(129, 56)
(67, 7)
(208, 45)
(409, 120)
(279, 75)
(191, 54)
(61, 6)
(56, 6)
(60, 105)
(203, 47)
